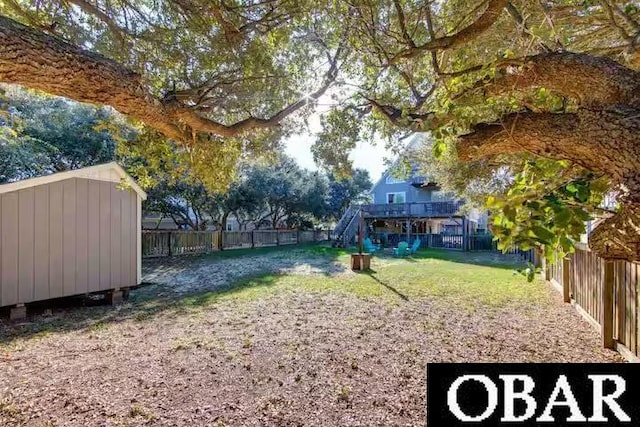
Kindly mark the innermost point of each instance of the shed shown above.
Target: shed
(69, 233)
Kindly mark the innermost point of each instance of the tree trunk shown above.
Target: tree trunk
(34, 59)
(605, 141)
(224, 220)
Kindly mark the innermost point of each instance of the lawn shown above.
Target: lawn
(286, 337)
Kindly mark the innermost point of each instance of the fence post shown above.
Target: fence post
(537, 258)
(298, 236)
(546, 266)
(566, 280)
(170, 245)
(465, 242)
(253, 240)
(607, 305)
(277, 237)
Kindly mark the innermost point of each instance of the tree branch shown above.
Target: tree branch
(31, 58)
(417, 122)
(91, 9)
(472, 31)
(403, 25)
(589, 138)
(523, 27)
(603, 141)
(592, 81)
(432, 36)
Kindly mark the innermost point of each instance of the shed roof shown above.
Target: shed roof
(111, 172)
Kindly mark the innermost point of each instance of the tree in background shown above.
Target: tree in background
(344, 191)
(289, 194)
(189, 205)
(44, 134)
(498, 82)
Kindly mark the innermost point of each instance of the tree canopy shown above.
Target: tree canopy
(344, 191)
(267, 195)
(44, 134)
(499, 82)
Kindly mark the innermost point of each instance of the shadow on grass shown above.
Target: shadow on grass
(90, 313)
(371, 273)
(482, 258)
(317, 253)
(488, 259)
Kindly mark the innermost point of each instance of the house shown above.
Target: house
(69, 233)
(412, 206)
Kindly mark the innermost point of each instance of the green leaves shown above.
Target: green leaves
(542, 234)
(546, 206)
(340, 132)
(41, 134)
(439, 148)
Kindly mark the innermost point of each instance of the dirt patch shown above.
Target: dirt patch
(294, 358)
(187, 275)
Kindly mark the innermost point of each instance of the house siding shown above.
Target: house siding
(67, 238)
(413, 194)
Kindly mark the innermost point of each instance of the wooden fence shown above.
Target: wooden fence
(442, 241)
(181, 242)
(482, 242)
(605, 293)
(474, 242)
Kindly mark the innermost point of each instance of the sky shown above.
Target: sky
(367, 155)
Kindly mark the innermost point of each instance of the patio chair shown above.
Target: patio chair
(415, 246)
(369, 246)
(402, 249)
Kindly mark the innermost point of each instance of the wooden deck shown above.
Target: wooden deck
(413, 210)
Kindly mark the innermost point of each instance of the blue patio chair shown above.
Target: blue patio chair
(402, 249)
(369, 246)
(415, 246)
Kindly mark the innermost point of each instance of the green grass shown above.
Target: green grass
(469, 278)
(243, 252)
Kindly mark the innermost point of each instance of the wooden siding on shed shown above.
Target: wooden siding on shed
(67, 238)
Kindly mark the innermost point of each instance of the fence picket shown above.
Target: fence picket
(587, 286)
(188, 242)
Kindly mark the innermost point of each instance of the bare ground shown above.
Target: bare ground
(290, 358)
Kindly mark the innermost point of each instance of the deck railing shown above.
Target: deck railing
(419, 209)
(346, 218)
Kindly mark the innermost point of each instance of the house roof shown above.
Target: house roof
(413, 141)
(110, 172)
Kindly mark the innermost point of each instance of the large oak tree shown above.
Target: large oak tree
(499, 79)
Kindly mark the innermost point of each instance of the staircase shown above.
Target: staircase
(347, 227)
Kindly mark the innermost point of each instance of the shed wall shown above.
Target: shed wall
(66, 238)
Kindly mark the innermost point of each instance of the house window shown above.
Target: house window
(393, 180)
(229, 227)
(399, 197)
